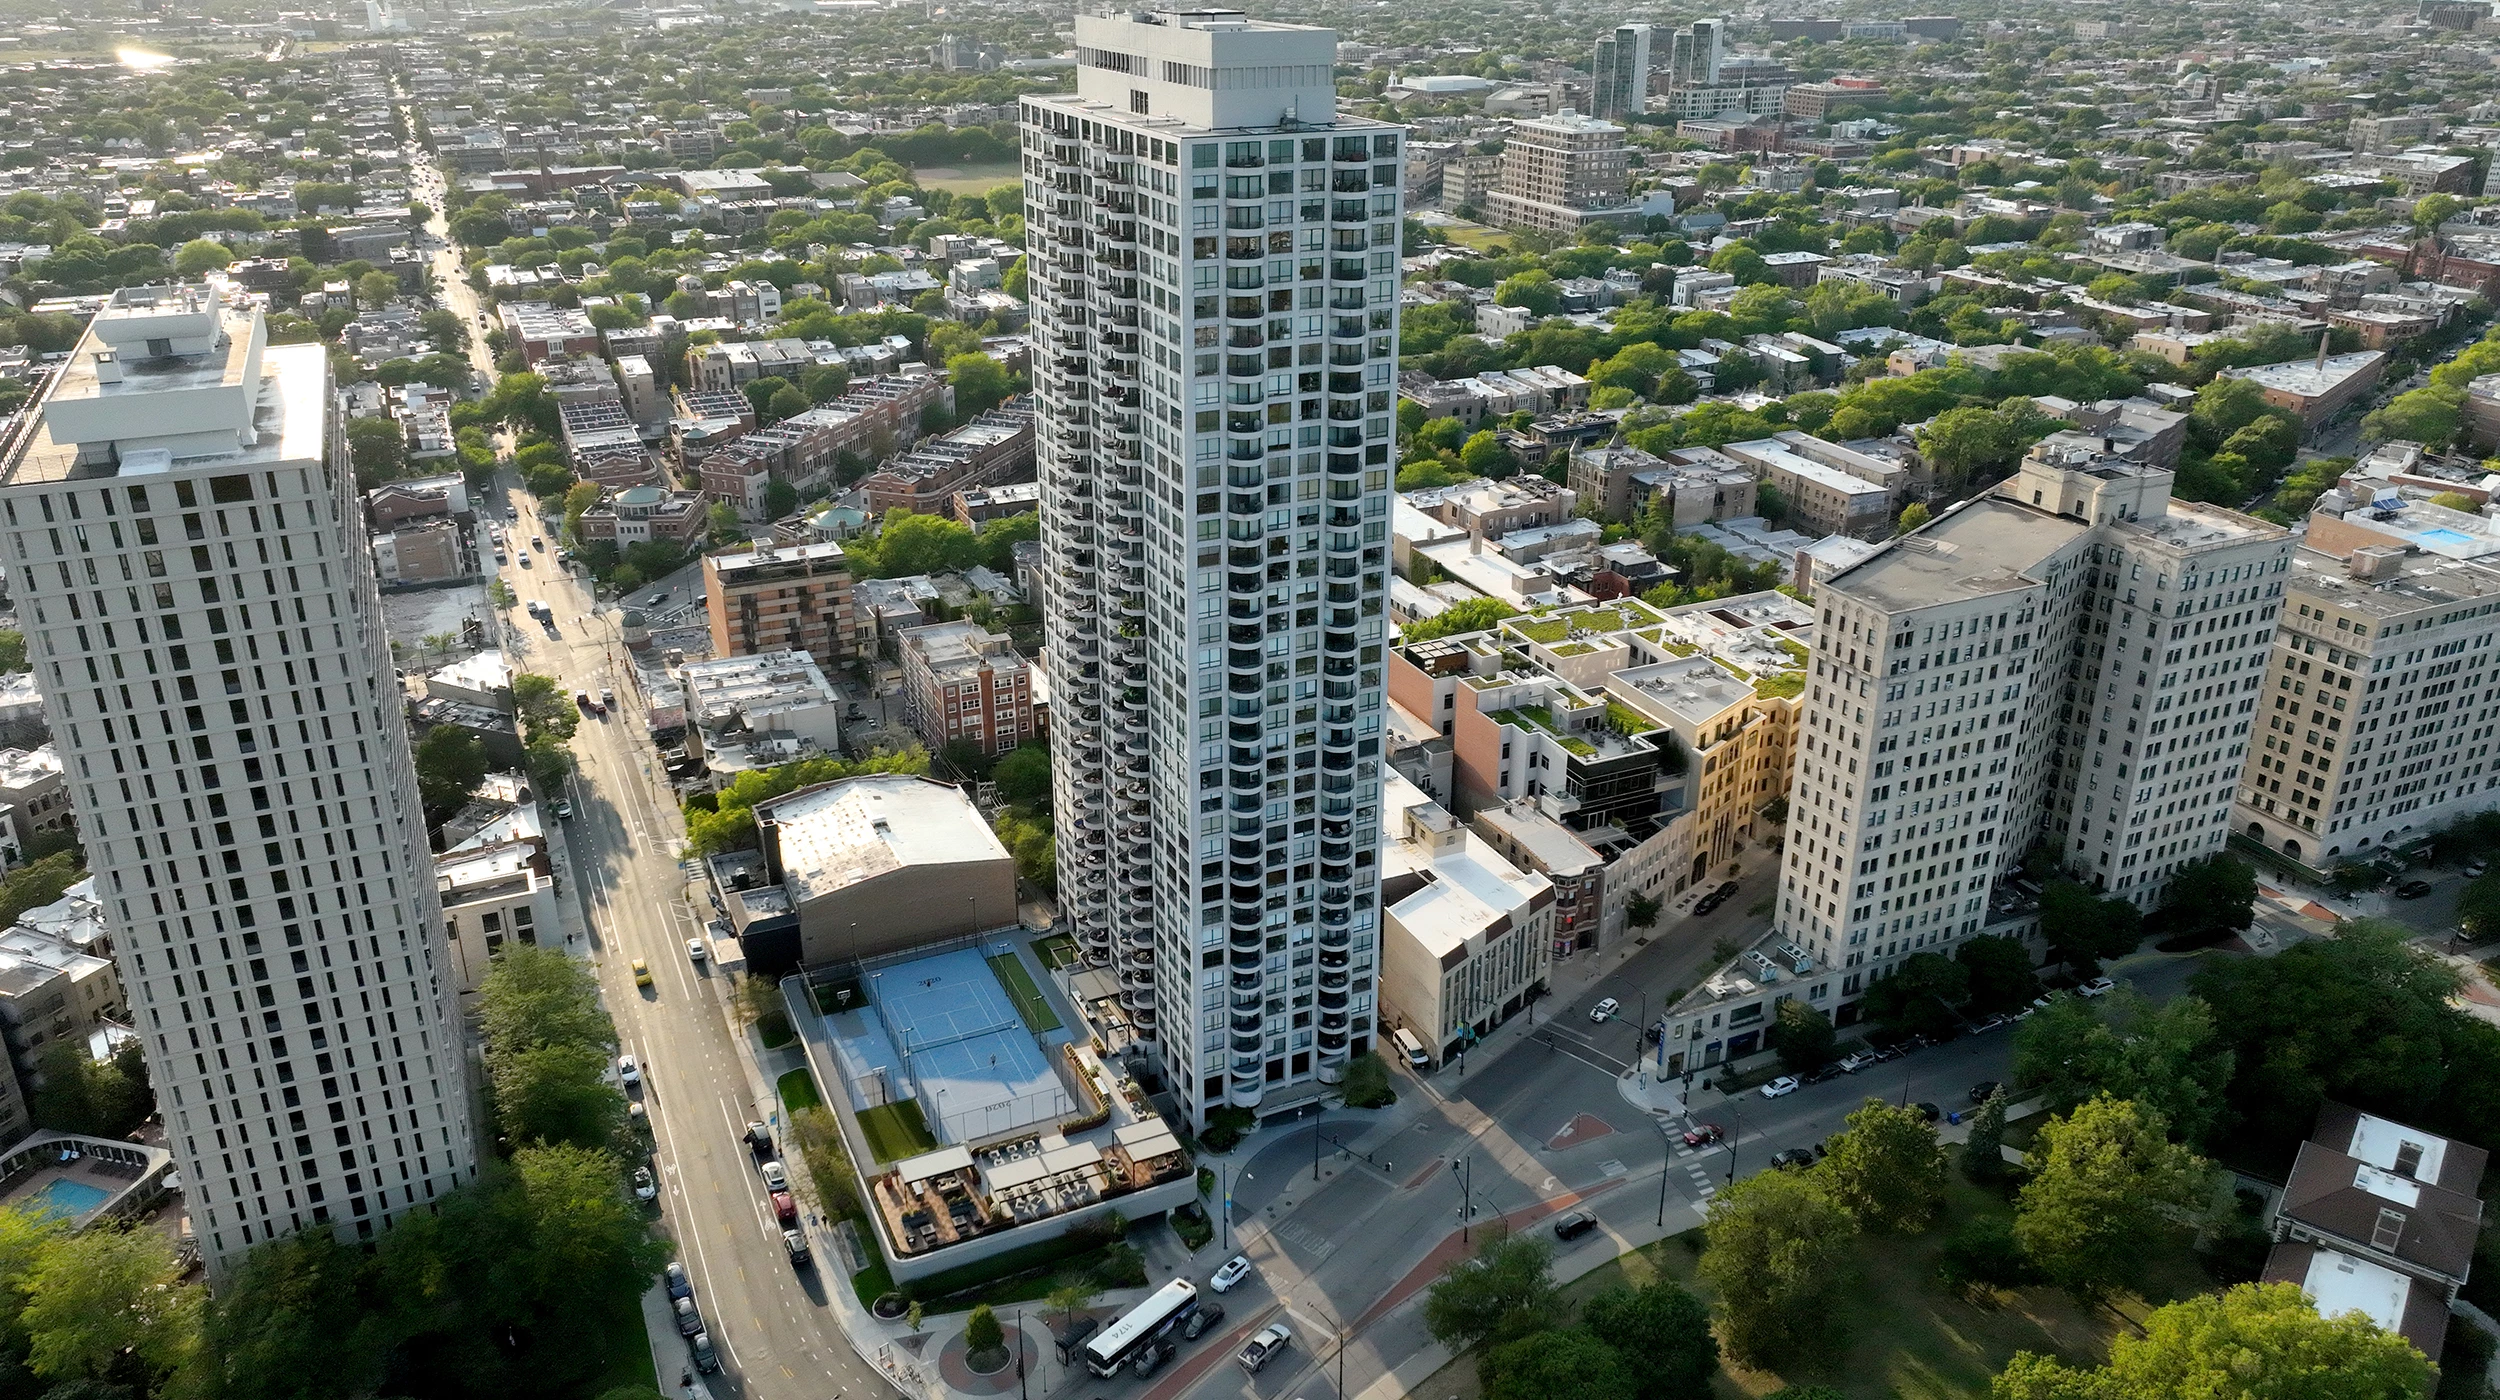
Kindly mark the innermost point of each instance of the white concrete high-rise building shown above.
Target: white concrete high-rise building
(2073, 660)
(202, 618)
(1214, 270)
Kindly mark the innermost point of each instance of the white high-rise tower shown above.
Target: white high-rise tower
(203, 620)
(1214, 273)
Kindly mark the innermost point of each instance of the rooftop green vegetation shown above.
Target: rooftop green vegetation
(1625, 720)
(1795, 650)
(1539, 717)
(1732, 668)
(1787, 685)
(1542, 630)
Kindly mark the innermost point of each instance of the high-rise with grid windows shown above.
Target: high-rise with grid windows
(1214, 275)
(202, 618)
(2072, 662)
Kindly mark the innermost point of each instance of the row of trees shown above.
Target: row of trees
(526, 1279)
(2245, 1060)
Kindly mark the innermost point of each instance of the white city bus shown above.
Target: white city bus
(1143, 1327)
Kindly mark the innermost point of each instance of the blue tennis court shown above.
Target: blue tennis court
(971, 1063)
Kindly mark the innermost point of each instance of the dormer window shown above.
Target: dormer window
(2409, 1159)
(159, 347)
(2389, 1230)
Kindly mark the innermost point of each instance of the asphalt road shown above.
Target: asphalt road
(1535, 1124)
(777, 1335)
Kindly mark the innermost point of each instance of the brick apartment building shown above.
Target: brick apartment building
(964, 682)
(783, 598)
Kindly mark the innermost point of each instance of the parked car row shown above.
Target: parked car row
(690, 1319)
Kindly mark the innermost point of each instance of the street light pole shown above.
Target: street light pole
(1668, 1143)
(1736, 1129)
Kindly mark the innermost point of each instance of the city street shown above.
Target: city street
(777, 1336)
(1544, 1131)
(775, 1332)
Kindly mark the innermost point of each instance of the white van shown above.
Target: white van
(1414, 1048)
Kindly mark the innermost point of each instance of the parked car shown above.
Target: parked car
(1233, 1271)
(1574, 1225)
(1856, 1060)
(706, 1359)
(1822, 1072)
(1269, 1344)
(1605, 1009)
(695, 951)
(2097, 987)
(1781, 1087)
(1701, 1134)
(785, 1209)
(646, 1187)
(1985, 1090)
(2413, 889)
(564, 809)
(1205, 1316)
(776, 1177)
(689, 1321)
(795, 1245)
(679, 1286)
(2475, 867)
(1793, 1157)
(628, 1070)
(1928, 1111)
(760, 1141)
(1151, 1359)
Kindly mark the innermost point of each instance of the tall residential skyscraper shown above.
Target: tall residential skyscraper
(1214, 265)
(202, 617)
(2073, 661)
(1693, 54)
(1619, 78)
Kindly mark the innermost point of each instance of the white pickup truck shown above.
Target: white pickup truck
(1269, 1344)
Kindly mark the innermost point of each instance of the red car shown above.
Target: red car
(1702, 1134)
(785, 1208)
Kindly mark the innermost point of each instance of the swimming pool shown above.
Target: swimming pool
(2444, 536)
(69, 1200)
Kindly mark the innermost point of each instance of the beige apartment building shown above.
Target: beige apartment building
(783, 597)
(1466, 937)
(2373, 727)
(1556, 170)
(1830, 489)
(2072, 659)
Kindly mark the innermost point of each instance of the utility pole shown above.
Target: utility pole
(1736, 1129)
(1667, 1142)
(1467, 1198)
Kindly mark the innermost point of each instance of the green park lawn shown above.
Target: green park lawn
(1031, 1005)
(1906, 1336)
(967, 179)
(896, 1130)
(798, 1091)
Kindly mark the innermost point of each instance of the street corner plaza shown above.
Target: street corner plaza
(945, 1028)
